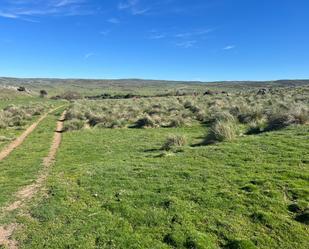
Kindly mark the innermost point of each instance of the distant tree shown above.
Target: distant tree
(21, 89)
(43, 93)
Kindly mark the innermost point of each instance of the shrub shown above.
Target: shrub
(145, 122)
(256, 127)
(3, 124)
(117, 124)
(177, 122)
(73, 125)
(16, 121)
(301, 115)
(4, 139)
(43, 93)
(200, 116)
(102, 126)
(95, 119)
(188, 104)
(251, 116)
(221, 131)
(279, 121)
(221, 116)
(70, 95)
(174, 142)
(74, 114)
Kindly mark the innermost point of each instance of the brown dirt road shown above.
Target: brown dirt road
(26, 193)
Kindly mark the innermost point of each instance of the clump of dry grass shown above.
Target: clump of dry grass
(16, 116)
(4, 139)
(279, 120)
(249, 109)
(146, 122)
(174, 142)
(73, 125)
(221, 131)
(177, 122)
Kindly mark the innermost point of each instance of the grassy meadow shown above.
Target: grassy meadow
(224, 170)
(17, 114)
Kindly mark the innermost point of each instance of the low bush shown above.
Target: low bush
(279, 121)
(3, 124)
(177, 122)
(95, 120)
(145, 122)
(73, 125)
(16, 116)
(221, 131)
(300, 114)
(174, 142)
(4, 139)
(278, 107)
(256, 127)
(117, 124)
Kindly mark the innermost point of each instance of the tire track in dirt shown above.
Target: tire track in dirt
(18, 141)
(28, 192)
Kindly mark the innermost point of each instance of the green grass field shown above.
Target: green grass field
(125, 178)
(115, 189)
(20, 102)
(22, 166)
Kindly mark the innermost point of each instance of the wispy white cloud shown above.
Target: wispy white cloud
(133, 6)
(186, 39)
(156, 36)
(22, 9)
(8, 15)
(88, 55)
(200, 32)
(127, 4)
(229, 47)
(62, 3)
(139, 11)
(113, 20)
(186, 44)
(104, 32)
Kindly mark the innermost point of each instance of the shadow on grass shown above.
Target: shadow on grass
(152, 150)
(203, 143)
(259, 130)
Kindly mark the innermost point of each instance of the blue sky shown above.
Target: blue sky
(160, 39)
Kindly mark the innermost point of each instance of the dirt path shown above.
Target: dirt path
(18, 141)
(26, 193)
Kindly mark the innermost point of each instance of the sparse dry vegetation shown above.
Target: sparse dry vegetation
(136, 170)
(17, 116)
(174, 142)
(225, 114)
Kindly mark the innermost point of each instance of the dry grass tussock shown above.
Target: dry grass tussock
(17, 116)
(277, 109)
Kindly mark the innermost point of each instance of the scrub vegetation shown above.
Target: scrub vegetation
(14, 118)
(189, 166)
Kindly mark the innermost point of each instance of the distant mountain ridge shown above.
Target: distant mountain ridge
(138, 86)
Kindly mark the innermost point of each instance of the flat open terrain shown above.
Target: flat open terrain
(225, 170)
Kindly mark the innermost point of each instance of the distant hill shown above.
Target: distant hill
(141, 86)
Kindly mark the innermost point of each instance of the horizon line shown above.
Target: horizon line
(148, 79)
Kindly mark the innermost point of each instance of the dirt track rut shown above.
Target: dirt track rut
(18, 141)
(26, 193)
